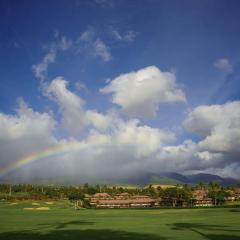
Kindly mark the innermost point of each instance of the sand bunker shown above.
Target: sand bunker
(49, 203)
(14, 203)
(38, 209)
(35, 204)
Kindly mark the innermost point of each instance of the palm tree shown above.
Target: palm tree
(213, 187)
(200, 186)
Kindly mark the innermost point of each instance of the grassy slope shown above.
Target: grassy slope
(161, 180)
(64, 223)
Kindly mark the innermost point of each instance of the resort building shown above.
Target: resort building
(123, 200)
(201, 199)
(237, 193)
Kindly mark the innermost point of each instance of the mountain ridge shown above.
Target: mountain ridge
(167, 178)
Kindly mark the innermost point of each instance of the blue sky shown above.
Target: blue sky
(197, 41)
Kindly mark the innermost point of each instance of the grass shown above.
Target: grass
(164, 180)
(163, 186)
(65, 223)
(126, 186)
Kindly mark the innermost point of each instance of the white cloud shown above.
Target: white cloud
(100, 121)
(128, 36)
(81, 86)
(109, 128)
(230, 170)
(219, 125)
(62, 44)
(113, 148)
(122, 147)
(187, 156)
(40, 69)
(26, 123)
(224, 64)
(140, 93)
(143, 139)
(23, 133)
(74, 115)
(102, 50)
(88, 35)
(95, 46)
(71, 106)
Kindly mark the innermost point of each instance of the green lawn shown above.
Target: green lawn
(64, 223)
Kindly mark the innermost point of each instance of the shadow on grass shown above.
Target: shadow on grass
(235, 210)
(200, 226)
(90, 234)
(202, 229)
(61, 225)
(220, 237)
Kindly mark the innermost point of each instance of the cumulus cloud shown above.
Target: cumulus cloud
(140, 93)
(186, 156)
(23, 133)
(74, 116)
(112, 146)
(224, 65)
(100, 121)
(122, 147)
(71, 106)
(25, 123)
(116, 145)
(219, 125)
(144, 140)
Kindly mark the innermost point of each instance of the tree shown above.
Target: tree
(213, 189)
(74, 196)
(201, 186)
(171, 193)
(185, 193)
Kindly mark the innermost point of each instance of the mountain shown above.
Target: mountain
(140, 179)
(177, 176)
(206, 178)
(173, 178)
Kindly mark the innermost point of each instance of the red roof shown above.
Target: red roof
(123, 194)
(113, 201)
(124, 201)
(237, 190)
(101, 195)
(200, 194)
(140, 196)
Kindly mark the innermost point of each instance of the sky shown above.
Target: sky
(119, 88)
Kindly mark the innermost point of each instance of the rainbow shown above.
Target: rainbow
(45, 153)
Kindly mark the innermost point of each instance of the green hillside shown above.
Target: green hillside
(162, 180)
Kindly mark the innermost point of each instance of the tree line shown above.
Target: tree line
(42, 192)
